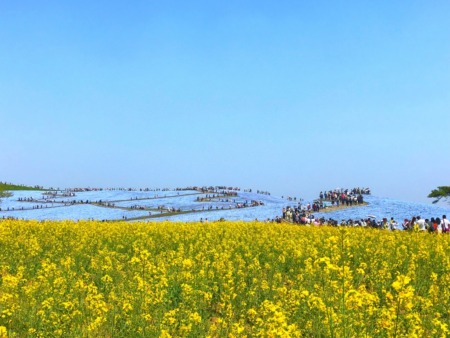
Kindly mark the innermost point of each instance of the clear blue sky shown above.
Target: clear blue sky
(292, 97)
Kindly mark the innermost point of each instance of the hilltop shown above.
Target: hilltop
(6, 187)
(9, 186)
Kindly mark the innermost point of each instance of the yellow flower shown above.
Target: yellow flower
(195, 317)
(165, 334)
(3, 332)
(126, 307)
(400, 282)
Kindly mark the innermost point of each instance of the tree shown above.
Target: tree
(440, 193)
(5, 194)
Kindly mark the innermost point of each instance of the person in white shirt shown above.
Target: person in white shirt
(445, 224)
(392, 224)
(421, 223)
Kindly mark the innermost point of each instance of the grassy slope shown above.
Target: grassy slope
(8, 186)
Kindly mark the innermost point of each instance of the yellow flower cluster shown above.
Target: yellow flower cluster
(224, 279)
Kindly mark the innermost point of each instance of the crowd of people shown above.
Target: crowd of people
(36, 206)
(337, 198)
(334, 194)
(417, 223)
(213, 197)
(296, 215)
(52, 194)
(348, 197)
(434, 224)
(303, 214)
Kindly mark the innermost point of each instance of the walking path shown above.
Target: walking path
(342, 207)
(174, 213)
(58, 201)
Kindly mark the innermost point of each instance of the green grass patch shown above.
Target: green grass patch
(10, 186)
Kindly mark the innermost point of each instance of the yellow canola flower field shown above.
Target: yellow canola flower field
(224, 279)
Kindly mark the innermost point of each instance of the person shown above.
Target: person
(421, 223)
(392, 224)
(431, 225)
(406, 224)
(413, 225)
(445, 224)
(439, 227)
